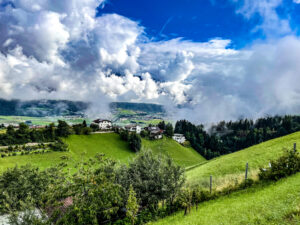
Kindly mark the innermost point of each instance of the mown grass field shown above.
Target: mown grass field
(275, 203)
(85, 146)
(184, 156)
(226, 169)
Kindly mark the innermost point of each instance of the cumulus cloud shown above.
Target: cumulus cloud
(58, 49)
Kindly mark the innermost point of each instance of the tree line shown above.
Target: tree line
(232, 136)
(50, 133)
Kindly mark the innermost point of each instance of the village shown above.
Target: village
(155, 132)
(107, 126)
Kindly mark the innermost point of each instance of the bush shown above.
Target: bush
(86, 130)
(59, 146)
(286, 165)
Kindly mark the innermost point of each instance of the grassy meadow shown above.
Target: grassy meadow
(184, 156)
(85, 146)
(269, 204)
(231, 168)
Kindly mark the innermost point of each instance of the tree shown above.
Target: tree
(96, 197)
(20, 183)
(86, 130)
(50, 132)
(162, 125)
(132, 206)
(63, 129)
(84, 124)
(124, 134)
(154, 179)
(94, 127)
(135, 142)
(169, 130)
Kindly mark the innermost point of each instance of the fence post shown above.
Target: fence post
(246, 173)
(210, 185)
(295, 149)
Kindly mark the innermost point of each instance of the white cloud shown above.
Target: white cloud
(272, 24)
(296, 1)
(58, 49)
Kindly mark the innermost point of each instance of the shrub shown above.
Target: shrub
(59, 146)
(10, 148)
(286, 165)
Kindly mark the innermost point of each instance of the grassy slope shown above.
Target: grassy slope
(233, 165)
(110, 144)
(182, 155)
(276, 203)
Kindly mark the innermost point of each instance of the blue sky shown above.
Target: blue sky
(198, 20)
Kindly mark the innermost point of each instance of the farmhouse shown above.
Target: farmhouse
(133, 128)
(103, 124)
(179, 138)
(155, 132)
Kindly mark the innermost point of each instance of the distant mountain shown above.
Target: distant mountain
(41, 108)
(144, 107)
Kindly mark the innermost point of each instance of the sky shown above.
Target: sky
(205, 61)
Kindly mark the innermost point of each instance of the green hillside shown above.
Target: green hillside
(276, 203)
(89, 145)
(230, 167)
(84, 146)
(181, 155)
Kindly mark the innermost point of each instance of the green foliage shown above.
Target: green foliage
(59, 146)
(169, 130)
(135, 142)
(63, 129)
(20, 183)
(132, 206)
(284, 166)
(162, 125)
(81, 129)
(185, 198)
(144, 133)
(154, 179)
(95, 195)
(94, 127)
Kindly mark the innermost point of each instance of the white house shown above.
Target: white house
(179, 138)
(133, 128)
(103, 124)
